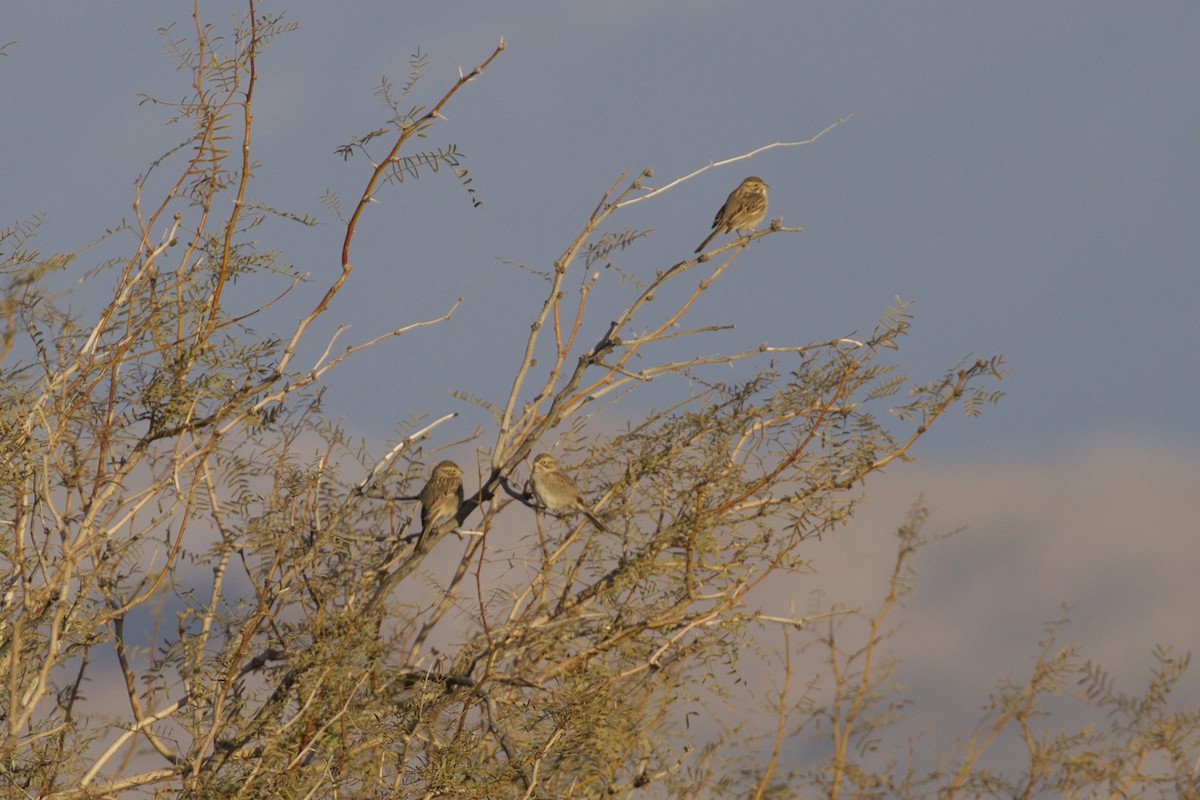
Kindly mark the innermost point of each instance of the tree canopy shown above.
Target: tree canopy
(273, 620)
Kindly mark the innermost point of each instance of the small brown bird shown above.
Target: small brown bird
(555, 490)
(743, 210)
(441, 498)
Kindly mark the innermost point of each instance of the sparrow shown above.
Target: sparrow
(555, 490)
(743, 210)
(441, 498)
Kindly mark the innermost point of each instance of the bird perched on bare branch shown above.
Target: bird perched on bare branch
(441, 498)
(743, 210)
(555, 490)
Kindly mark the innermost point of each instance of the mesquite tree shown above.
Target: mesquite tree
(272, 620)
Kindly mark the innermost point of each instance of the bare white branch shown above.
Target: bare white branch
(734, 159)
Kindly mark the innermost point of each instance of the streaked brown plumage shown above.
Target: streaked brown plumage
(555, 490)
(743, 210)
(441, 498)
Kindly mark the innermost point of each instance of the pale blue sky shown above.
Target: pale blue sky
(1026, 173)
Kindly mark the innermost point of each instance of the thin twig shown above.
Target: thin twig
(732, 160)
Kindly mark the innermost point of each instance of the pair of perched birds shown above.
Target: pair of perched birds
(442, 496)
(554, 490)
